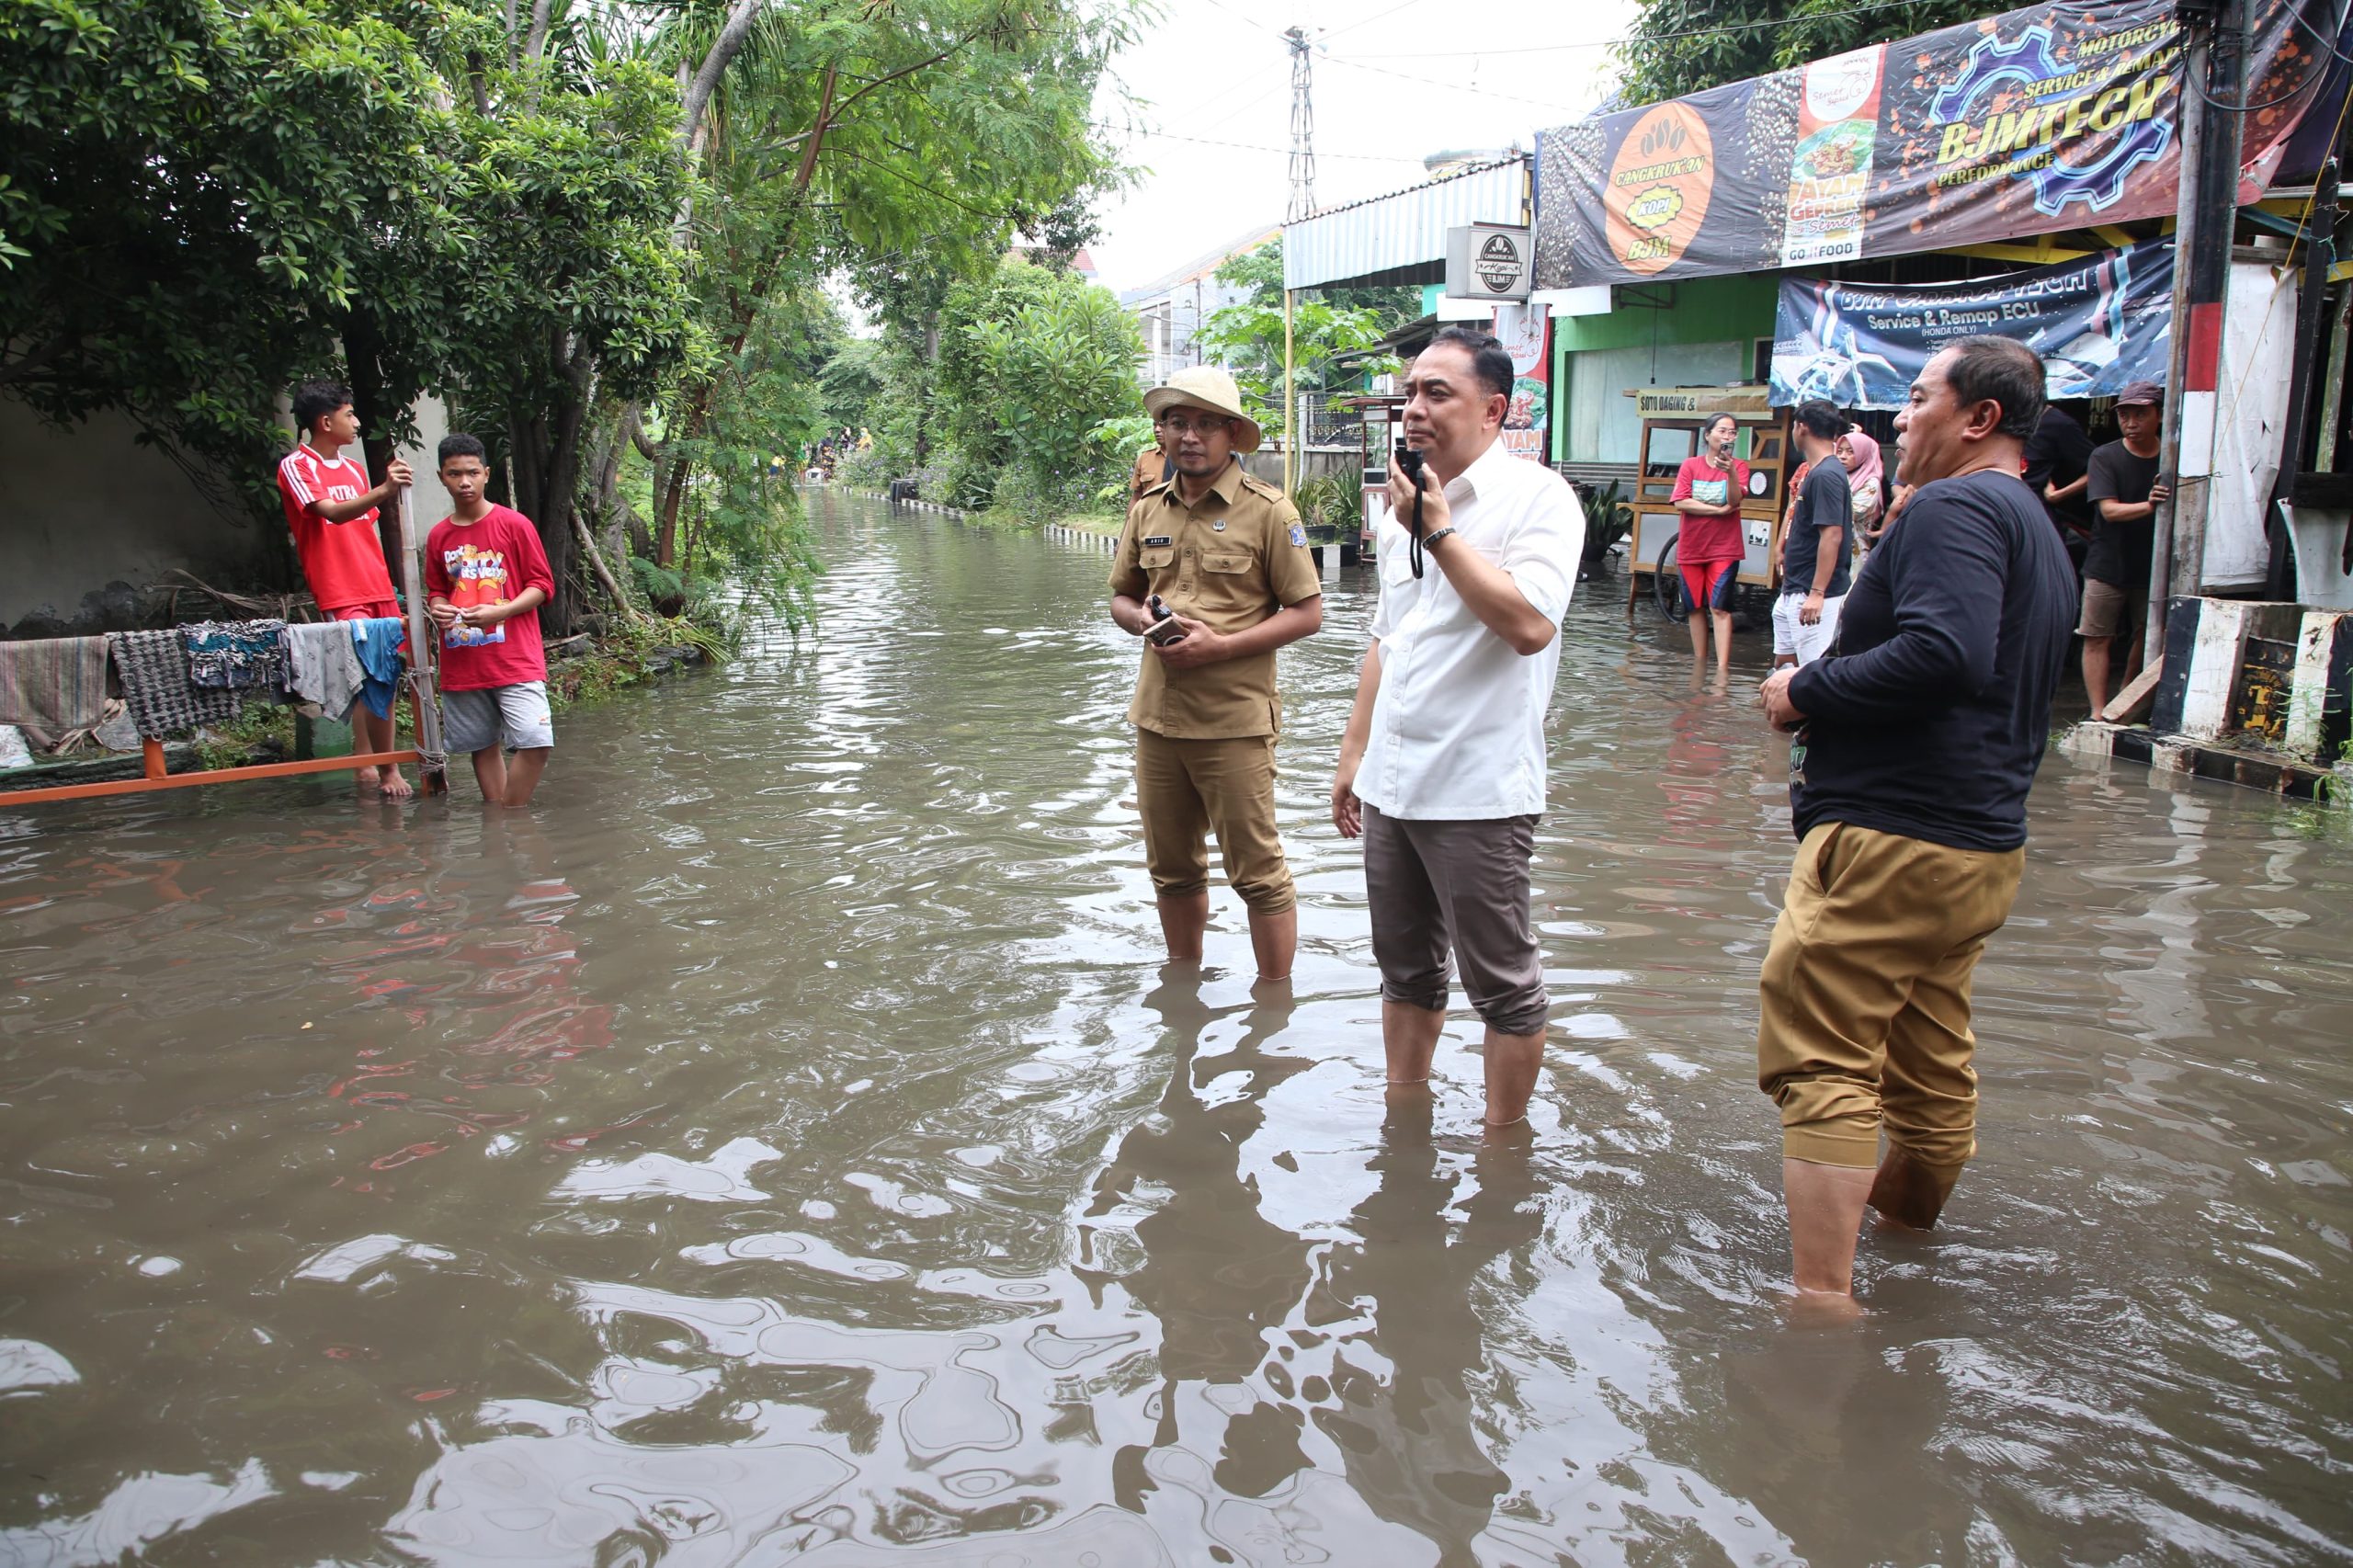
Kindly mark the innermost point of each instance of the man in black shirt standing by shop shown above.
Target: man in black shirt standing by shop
(1914, 746)
(2058, 456)
(2124, 496)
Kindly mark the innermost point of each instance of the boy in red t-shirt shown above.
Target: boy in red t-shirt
(487, 577)
(332, 509)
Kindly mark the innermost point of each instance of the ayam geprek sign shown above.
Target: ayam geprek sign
(2059, 116)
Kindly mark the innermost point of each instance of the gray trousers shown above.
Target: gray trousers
(1437, 887)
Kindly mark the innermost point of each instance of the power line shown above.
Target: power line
(1252, 147)
(1367, 21)
(1454, 86)
(1244, 17)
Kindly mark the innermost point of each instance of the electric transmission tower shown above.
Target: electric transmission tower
(1302, 131)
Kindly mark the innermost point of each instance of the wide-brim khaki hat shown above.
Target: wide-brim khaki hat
(1211, 387)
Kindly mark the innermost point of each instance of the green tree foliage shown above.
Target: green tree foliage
(1044, 373)
(1682, 46)
(203, 202)
(597, 229)
(906, 144)
(1247, 337)
(191, 196)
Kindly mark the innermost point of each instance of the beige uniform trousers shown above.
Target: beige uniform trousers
(1187, 788)
(1865, 1018)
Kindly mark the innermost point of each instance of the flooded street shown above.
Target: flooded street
(783, 1147)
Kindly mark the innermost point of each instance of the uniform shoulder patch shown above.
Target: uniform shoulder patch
(1299, 536)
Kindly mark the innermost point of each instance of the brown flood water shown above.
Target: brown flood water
(783, 1148)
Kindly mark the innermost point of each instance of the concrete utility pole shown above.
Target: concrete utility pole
(2214, 82)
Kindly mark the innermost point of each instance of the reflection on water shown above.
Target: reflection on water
(782, 1146)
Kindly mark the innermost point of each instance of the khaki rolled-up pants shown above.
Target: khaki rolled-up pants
(1864, 1025)
(1189, 789)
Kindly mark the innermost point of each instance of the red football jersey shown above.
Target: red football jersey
(345, 561)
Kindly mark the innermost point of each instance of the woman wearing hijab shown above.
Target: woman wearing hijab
(1867, 479)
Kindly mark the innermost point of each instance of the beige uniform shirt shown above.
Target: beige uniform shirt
(1230, 563)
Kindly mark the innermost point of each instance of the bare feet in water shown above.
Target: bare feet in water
(394, 786)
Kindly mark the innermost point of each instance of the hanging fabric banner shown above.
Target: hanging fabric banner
(2059, 116)
(1526, 331)
(2097, 322)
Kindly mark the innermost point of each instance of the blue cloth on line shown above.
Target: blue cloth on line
(377, 643)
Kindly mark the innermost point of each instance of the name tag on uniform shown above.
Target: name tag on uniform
(1154, 540)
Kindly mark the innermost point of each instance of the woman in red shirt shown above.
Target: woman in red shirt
(1709, 546)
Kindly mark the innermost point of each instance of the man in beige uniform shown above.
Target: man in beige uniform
(1226, 554)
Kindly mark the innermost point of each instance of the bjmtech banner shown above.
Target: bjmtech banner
(2059, 116)
(2097, 322)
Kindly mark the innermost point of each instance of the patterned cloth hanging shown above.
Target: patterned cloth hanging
(242, 655)
(54, 685)
(153, 666)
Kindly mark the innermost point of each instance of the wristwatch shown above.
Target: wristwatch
(1446, 532)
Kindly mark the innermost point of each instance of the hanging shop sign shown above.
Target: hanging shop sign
(2059, 116)
(2097, 322)
(1489, 261)
(1526, 333)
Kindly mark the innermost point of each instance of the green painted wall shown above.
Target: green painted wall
(1709, 311)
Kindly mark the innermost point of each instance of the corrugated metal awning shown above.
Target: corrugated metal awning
(1402, 238)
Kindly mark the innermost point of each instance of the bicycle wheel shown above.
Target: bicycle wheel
(1666, 584)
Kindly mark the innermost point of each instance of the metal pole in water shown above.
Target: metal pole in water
(426, 714)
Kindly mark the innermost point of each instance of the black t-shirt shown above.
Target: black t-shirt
(1931, 712)
(1826, 501)
(2059, 453)
(2121, 551)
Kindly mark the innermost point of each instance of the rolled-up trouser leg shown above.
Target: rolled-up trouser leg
(1410, 934)
(1441, 886)
(1494, 940)
(1174, 820)
(1873, 953)
(1235, 781)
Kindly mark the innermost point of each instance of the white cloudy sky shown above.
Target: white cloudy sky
(1393, 82)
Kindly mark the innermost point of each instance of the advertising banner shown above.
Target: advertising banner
(1526, 333)
(2097, 322)
(2059, 116)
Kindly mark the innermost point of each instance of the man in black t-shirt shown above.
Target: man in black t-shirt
(1915, 743)
(1818, 551)
(2124, 496)
(2058, 455)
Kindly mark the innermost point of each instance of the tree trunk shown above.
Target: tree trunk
(547, 474)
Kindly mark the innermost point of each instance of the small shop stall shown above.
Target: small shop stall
(1672, 418)
(1383, 416)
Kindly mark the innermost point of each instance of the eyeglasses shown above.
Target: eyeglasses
(1187, 425)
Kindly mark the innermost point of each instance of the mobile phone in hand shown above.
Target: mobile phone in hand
(1164, 628)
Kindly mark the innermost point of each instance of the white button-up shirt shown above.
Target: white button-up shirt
(1458, 726)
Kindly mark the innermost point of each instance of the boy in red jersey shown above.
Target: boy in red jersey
(332, 509)
(487, 577)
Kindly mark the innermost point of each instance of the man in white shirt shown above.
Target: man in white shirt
(1442, 766)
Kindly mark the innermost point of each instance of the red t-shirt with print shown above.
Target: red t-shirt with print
(343, 561)
(485, 563)
(1699, 540)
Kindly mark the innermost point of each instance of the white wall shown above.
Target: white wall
(89, 517)
(1602, 425)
